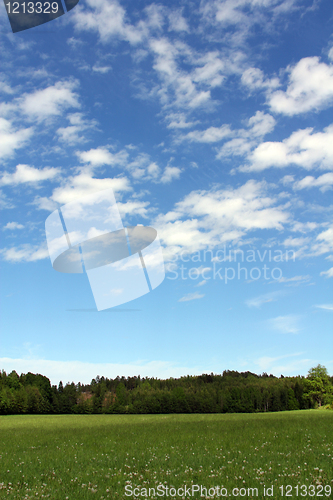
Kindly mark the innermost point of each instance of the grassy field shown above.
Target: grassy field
(77, 457)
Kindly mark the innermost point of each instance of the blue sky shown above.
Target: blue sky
(212, 122)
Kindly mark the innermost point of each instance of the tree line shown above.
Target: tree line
(229, 392)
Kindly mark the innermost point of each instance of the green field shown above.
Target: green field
(94, 456)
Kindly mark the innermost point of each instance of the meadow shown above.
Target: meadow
(74, 457)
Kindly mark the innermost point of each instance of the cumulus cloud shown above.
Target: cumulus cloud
(108, 19)
(102, 156)
(177, 22)
(177, 87)
(295, 242)
(101, 69)
(26, 174)
(310, 88)
(139, 165)
(191, 296)
(25, 253)
(12, 138)
(210, 218)
(260, 124)
(254, 79)
(324, 242)
(237, 18)
(170, 173)
(73, 133)
(179, 121)
(212, 134)
(245, 139)
(13, 225)
(81, 185)
(304, 148)
(4, 87)
(328, 273)
(51, 101)
(324, 182)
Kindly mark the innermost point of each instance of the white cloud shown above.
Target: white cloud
(178, 120)
(236, 19)
(133, 207)
(4, 87)
(210, 70)
(186, 86)
(51, 101)
(303, 148)
(169, 174)
(13, 225)
(285, 324)
(44, 203)
(79, 371)
(327, 274)
(102, 156)
(4, 202)
(324, 182)
(245, 140)
(295, 242)
(269, 364)
(25, 173)
(12, 139)
(324, 244)
(25, 253)
(263, 299)
(212, 134)
(295, 279)
(310, 88)
(74, 43)
(330, 54)
(254, 79)
(108, 19)
(239, 146)
(101, 69)
(260, 124)
(79, 186)
(143, 169)
(327, 307)
(206, 219)
(177, 22)
(304, 227)
(191, 296)
(153, 170)
(72, 134)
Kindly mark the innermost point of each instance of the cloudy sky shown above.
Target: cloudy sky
(212, 122)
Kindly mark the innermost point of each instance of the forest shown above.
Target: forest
(229, 392)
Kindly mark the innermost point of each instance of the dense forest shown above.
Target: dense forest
(230, 392)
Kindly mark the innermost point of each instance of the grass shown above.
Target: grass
(78, 457)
